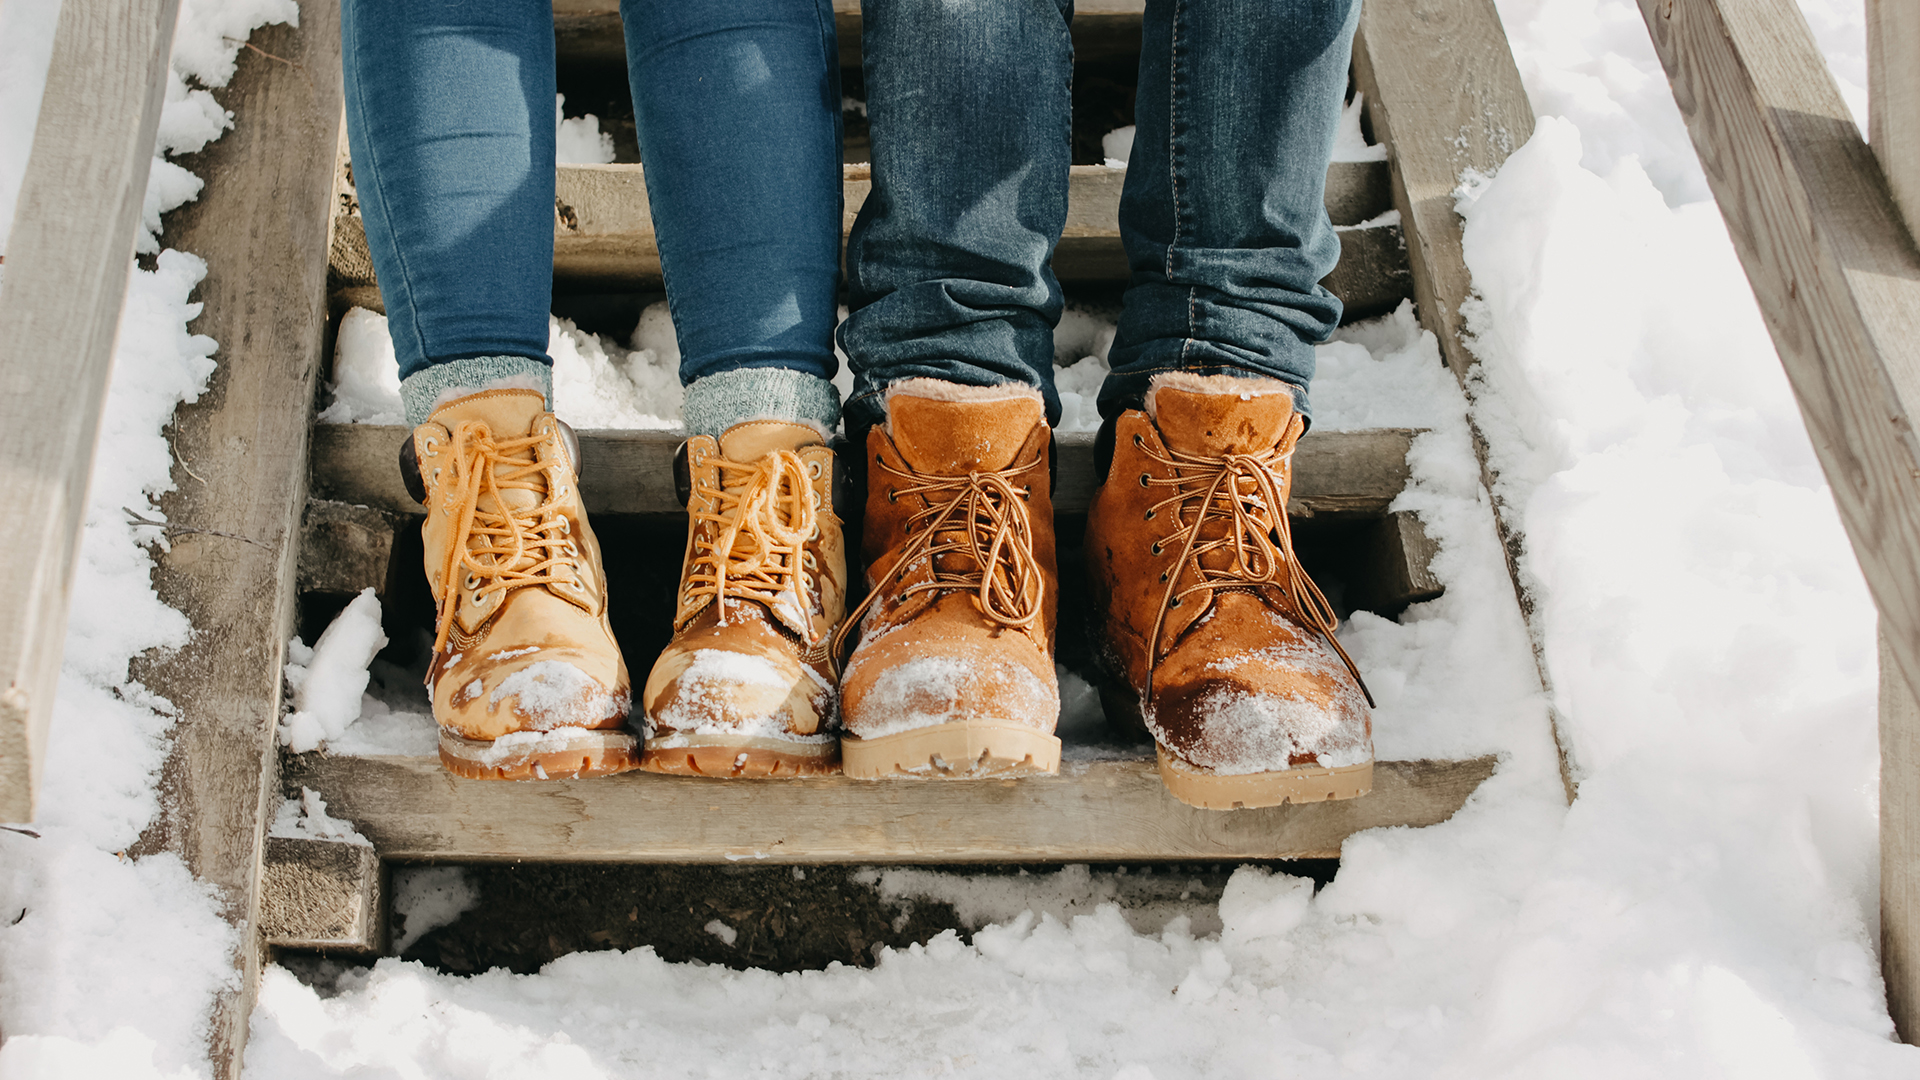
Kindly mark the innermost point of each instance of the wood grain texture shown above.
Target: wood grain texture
(261, 224)
(412, 809)
(1444, 96)
(1838, 281)
(1337, 473)
(68, 256)
(1899, 846)
(323, 896)
(1893, 111)
(603, 230)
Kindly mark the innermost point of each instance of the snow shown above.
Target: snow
(306, 818)
(426, 898)
(329, 679)
(1705, 908)
(579, 140)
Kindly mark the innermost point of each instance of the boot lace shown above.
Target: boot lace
(504, 548)
(1239, 492)
(981, 517)
(763, 515)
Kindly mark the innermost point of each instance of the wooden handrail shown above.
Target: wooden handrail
(66, 275)
(1837, 275)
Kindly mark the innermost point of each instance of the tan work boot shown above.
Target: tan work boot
(745, 688)
(1202, 611)
(526, 679)
(953, 676)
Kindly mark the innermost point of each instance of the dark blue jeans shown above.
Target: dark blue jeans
(450, 108)
(1222, 214)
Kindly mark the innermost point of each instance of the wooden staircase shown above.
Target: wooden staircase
(323, 514)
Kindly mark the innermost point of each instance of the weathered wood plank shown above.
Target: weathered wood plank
(1893, 110)
(261, 224)
(344, 548)
(1444, 96)
(413, 809)
(66, 275)
(1350, 473)
(588, 31)
(1899, 845)
(1838, 280)
(603, 231)
(323, 895)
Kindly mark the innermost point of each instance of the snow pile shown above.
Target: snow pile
(366, 377)
(579, 141)
(1117, 146)
(426, 898)
(306, 818)
(1148, 901)
(1350, 143)
(329, 679)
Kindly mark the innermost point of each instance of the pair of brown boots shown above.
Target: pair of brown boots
(1206, 625)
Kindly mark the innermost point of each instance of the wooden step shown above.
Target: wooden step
(1354, 474)
(588, 31)
(413, 810)
(604, 240)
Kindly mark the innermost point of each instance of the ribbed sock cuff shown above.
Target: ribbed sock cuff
(718, 402)
(428, 388)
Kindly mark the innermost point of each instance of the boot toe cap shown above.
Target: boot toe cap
(736, 692)
(1249, 719)
(902, 683)
(537, 691)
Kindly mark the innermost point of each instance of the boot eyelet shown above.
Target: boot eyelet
(807, 560)
(1163, 575)
(890, 496)
(472, 582)
(1149, 516)
(1137, 440)
(429, 443)
(813, 469)
(879, 459)
(572, 550)
(1143, 479)
(1175, 602)
(566, 526)
(1156, 547)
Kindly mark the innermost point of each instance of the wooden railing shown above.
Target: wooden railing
(1816, 219)
(66, 274)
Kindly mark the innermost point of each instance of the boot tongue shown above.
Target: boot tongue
(1220, 415)
(755, 439)
(947, 438)
(509, 414)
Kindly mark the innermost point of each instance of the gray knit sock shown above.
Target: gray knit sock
(718, 402)
(427, 389)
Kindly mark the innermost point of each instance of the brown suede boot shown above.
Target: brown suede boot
(527, 681)
(954, 673)
(746, 686)
(1201, 611)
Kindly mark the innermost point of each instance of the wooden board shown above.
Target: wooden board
(261, 224)
(1837, 277)
(324, 896)
(603, 232)
(1893, 76)
(412, 809)
(1338, 473)
(68, 255)
(1899, 846)
(588, 31)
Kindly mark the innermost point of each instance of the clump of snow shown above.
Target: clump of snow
(306, 818)
(1117, 146)
(329, 679)
(556, 694)
(366, 376)
(426, 898)
(725, 933)
(598, 384)
(579, 140)
(1350, 143)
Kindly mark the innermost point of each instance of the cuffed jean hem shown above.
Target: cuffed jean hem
(429, 386)
(1128, 389)
(717, 402)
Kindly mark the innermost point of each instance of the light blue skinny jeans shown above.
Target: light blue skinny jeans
(450, 117)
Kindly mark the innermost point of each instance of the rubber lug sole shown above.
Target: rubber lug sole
(1209, 790)
(567, 754)
(740, 757)
(955, 751)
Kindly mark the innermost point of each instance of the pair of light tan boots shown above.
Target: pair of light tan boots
(1207, 629)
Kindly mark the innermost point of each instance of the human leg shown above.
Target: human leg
(1210, 631)
(450, 119)
(948, 275)
(738, 109)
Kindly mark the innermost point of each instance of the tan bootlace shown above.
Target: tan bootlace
(981, 516)
(508, 547)
(761, 524)
(1241, 489)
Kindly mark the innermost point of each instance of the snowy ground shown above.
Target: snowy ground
(1705, 908)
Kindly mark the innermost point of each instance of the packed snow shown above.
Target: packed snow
(329, 678)
(1706, 907)
(306, 818)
